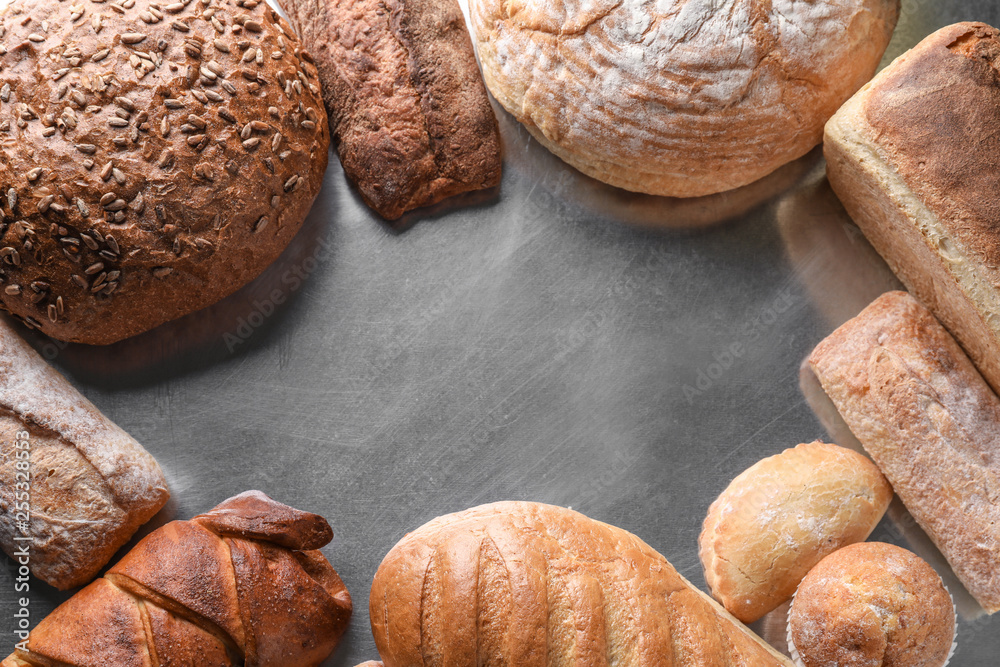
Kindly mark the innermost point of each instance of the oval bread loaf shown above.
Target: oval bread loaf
(153, 158)
(532, 585)
(780, 517)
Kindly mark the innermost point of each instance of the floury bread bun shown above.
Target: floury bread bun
(783, 515)
(678, 98)
(868, 605)
(154, 157)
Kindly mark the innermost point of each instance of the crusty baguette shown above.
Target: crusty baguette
(518, 583)
(91, 484)
(408, 108)
(782, 516)
(931, 423)
(914, 156)
(242, 585)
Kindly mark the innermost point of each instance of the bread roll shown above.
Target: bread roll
(914, 156)
(678, 98)
(240, 586)
(780, 517)
(91, 485)
(526, 584)
(407, 105)
(872, 604)
(931, 424)
(157, 156)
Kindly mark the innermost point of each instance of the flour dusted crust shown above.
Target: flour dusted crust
(518, 583)
(872, 604)
(930, 422)
(92, 484)
(915, 158)
(408, 109)
(780, 517)
(154, 157)
(684, 97)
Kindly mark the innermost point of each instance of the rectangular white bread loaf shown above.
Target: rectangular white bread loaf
(930, 422)
(915, 158)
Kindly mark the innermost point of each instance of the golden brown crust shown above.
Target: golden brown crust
(783, 515)
(872, 604)
(930, 422)
(92, 485)
(185, 590)
(678, 98)
(407, 105)
(913, 156)
(153, 158)
(922, 113)
(528, 584)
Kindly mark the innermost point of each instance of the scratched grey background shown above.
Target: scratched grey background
(558, 341)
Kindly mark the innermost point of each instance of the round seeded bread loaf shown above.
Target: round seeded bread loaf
(154, 157)
(679, 98)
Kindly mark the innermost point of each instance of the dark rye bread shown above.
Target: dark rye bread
(915, 157)
(408, 108)
(154, 157)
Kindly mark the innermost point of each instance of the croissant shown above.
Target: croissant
(526, 584)
(239, 586)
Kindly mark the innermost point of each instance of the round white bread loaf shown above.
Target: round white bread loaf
(678, 97)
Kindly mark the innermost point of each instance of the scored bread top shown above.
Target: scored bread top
(528, 584)
(933, 115)
(153, 157)
(678, 98)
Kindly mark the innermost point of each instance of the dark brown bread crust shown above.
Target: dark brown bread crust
(188, 595)
(408, 108)
(936, 113)
(153, 158)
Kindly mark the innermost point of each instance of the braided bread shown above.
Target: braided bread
(240, 585)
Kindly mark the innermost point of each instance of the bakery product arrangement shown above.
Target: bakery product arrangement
(408, 110)
(783, 515)
(872, 604)
(153, 160)
(931, 423)
(678, 99)
(71, 479)
(523, 583)
(242, 584)
(160, 155)
(914, 159)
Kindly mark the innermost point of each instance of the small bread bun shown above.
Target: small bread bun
(872, 605)
(153, 158)
(780, 517)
